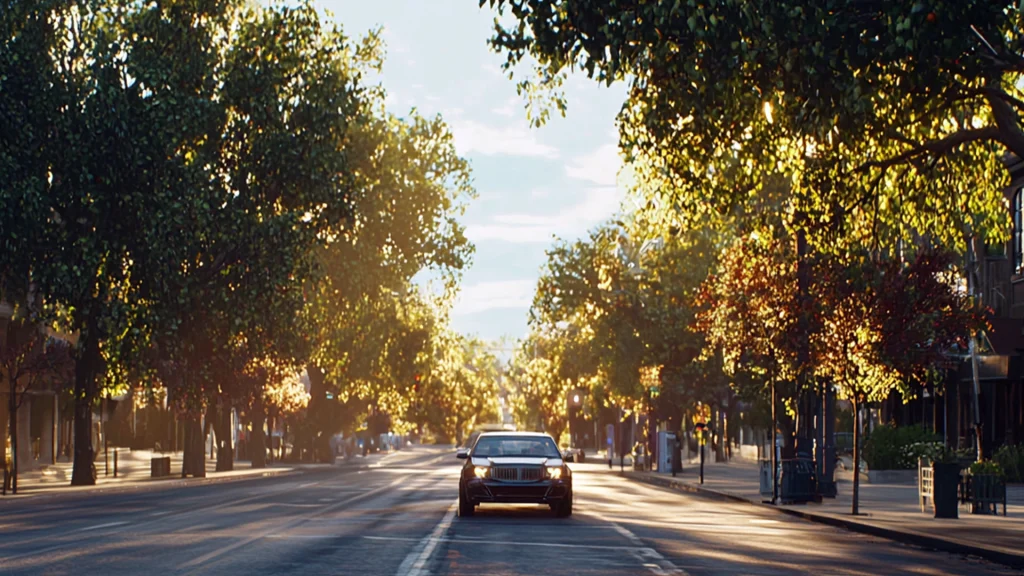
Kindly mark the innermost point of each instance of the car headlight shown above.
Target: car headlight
(555, 472)
(480, 471)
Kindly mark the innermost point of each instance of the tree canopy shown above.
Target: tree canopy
(883, 115)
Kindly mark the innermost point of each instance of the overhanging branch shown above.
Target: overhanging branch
(939, 147)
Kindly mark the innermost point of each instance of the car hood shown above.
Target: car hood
(515, 461)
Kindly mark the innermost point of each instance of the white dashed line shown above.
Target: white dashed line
(648, 557)
(415, 564)
(98, 526)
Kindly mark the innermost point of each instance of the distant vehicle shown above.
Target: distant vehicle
(574, 454)
(514, 467)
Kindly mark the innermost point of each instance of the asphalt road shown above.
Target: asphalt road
(400, 520)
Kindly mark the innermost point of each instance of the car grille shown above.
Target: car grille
(516, 473)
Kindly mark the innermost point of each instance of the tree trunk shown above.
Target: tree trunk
(12, 422)
(315, 427)
(257, 442)
(225, 451)
(86, 369)
(855, 510)
(271, 427)
(771, 446)
(193, 461)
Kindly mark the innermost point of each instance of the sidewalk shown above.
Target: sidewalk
(133, 472)
(887, 510)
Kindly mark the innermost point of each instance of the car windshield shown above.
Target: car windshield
(493, 446)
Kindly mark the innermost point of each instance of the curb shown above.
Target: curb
(149, 484)
(907, 537)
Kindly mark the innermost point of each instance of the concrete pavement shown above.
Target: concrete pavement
(398, 519)
(889, 510)
(134, 473)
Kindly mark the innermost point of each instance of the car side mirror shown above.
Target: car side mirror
(462, 454)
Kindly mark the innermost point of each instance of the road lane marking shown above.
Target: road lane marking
(196, 562)
(168, 514)
(647, 556)
(415, 562)
(507, 543)
(98, 526)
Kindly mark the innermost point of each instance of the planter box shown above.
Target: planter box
(984, 492)
(905, 477)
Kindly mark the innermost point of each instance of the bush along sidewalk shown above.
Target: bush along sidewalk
(1011, 460)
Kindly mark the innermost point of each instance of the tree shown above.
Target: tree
(106, 173)
(850, 346)
(192, 170)
(751, 316)
(889, 118)
(539, 395)
(410, 186)
(887, 325)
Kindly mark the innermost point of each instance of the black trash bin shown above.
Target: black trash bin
(798, 484)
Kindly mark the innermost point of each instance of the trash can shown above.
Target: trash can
(160, 466)
(798, 482)
(764, 469)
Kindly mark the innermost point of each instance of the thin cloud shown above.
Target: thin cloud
(600, 167)
(472, 136)
(509, 108)
(483, 296)
(596, 205)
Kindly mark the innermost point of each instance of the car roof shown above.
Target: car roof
(510, 433)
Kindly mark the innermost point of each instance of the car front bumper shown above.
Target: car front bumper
(541, 492)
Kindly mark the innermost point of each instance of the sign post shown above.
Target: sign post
(609, 432)
(702, 440)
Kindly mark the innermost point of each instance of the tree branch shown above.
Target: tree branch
(1007, 123)
(943, 145)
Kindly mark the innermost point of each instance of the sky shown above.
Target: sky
(533, 184)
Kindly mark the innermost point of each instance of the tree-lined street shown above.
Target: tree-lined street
(396, 519)
(228, 244)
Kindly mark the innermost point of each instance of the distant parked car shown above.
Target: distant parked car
(515, 467)
(574, 455)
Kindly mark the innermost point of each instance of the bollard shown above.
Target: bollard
(115, 463)
(702, 461)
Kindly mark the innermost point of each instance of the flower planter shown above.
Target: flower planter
(985, 492)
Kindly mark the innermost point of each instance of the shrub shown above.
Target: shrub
(898, 448)
(1011, 459)
(986, 467)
